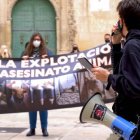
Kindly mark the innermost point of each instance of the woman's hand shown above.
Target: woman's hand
(44, 56)
(100, 73)
(25, 57)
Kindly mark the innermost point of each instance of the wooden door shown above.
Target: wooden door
(31, 16)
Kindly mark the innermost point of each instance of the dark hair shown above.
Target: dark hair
(129, 11)
(26, 44)
(30, 47)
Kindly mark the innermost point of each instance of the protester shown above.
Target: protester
(107, 38)
(37, 49)
(4, 52)
(126, 81)
(75, 48)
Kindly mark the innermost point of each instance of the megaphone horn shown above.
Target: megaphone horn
(95, 110)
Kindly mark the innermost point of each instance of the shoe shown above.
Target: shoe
(45, 132)
(31, 132)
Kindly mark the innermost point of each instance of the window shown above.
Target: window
(99, 5)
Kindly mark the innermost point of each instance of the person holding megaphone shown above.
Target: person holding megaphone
(125, 79)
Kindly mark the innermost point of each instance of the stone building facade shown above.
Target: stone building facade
(83, 22)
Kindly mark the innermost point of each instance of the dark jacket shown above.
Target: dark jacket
(116, 54)
(126, 77)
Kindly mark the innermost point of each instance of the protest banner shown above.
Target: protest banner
(55, 82)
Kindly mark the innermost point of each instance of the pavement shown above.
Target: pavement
(63, 124)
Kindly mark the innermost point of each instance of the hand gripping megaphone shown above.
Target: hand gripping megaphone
(95, 110)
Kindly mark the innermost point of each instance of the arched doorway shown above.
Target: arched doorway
(29, 16)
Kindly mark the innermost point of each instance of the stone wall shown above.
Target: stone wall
(77, 21)
(92, 25)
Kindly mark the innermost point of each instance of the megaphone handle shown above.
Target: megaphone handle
(108, 86)
(109, 83)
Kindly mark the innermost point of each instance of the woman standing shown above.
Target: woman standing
(37, 49)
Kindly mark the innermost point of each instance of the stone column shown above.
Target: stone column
(64, 47)
(2, 21)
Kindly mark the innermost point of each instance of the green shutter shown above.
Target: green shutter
(31, 16)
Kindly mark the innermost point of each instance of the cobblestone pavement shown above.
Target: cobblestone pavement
(63, 125)
(69, 98)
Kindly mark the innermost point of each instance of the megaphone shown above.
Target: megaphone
(95, 110)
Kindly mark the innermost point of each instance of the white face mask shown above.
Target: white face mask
(36, 43)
